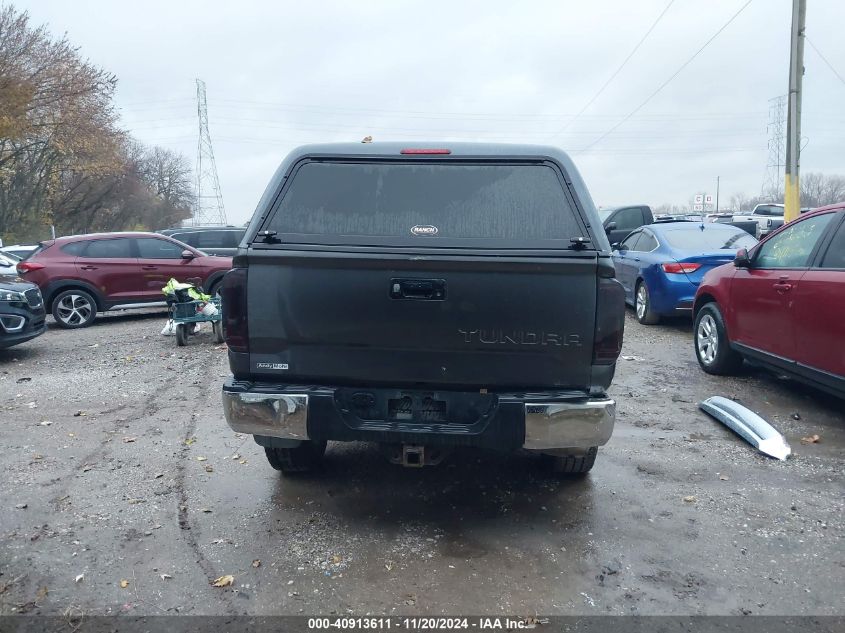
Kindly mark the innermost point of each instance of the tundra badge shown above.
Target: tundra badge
(520, 337)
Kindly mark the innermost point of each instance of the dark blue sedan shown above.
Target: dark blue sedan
(661, 264)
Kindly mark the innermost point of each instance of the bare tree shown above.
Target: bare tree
(740, 202)
(670, 209)
(63, 159)
(818, 190)
(168, 174)
(57, 117)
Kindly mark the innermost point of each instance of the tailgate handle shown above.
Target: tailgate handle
(419, 289)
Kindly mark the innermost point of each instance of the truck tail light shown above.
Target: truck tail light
(235, 321)
(675, 267)
(25, 267)
(610, 322)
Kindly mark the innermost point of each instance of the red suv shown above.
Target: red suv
(81, 275)
(780, 305)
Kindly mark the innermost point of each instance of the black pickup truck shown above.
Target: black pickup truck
(424, 298)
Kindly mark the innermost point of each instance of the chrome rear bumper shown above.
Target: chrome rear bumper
(272, 415)
(572, 424)
(579, 423)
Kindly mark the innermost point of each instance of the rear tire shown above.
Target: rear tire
(181, 334)
(712, 345)
(642, 305)
(300, 459)
(572, 464)
(74, 309)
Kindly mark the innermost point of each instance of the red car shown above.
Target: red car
(780, 305)
(81, 275)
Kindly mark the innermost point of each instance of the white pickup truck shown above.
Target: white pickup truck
(767, 216)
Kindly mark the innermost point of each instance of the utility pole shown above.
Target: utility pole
(209, 205)
(717, 193)
(792, 187)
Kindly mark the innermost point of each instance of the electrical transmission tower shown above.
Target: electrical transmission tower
(773, 183)
(209, 204)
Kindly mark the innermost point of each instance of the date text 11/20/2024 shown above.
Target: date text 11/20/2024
(423, 623)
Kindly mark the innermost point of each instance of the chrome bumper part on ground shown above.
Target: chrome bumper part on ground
(273, 415)
(581, 423)
(748, 425)
(572, 424)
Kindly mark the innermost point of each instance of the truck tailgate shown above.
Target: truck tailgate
(442, 320)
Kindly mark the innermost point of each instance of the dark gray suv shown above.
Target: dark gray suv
(212, 240)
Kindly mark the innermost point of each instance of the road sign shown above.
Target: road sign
(699, 198)
(708, 199)
(698, 207)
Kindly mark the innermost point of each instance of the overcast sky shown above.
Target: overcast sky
(281, 74)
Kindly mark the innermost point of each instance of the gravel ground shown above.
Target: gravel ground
(123, 491)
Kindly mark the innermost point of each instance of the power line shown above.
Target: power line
(668, 81)
(615, 73)
(635, 133)
(585, 135)
(228, 104)
(508, 117)
(383, 111)
(610, 151)
(527, 128)
(824, 59)
(148, 101)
